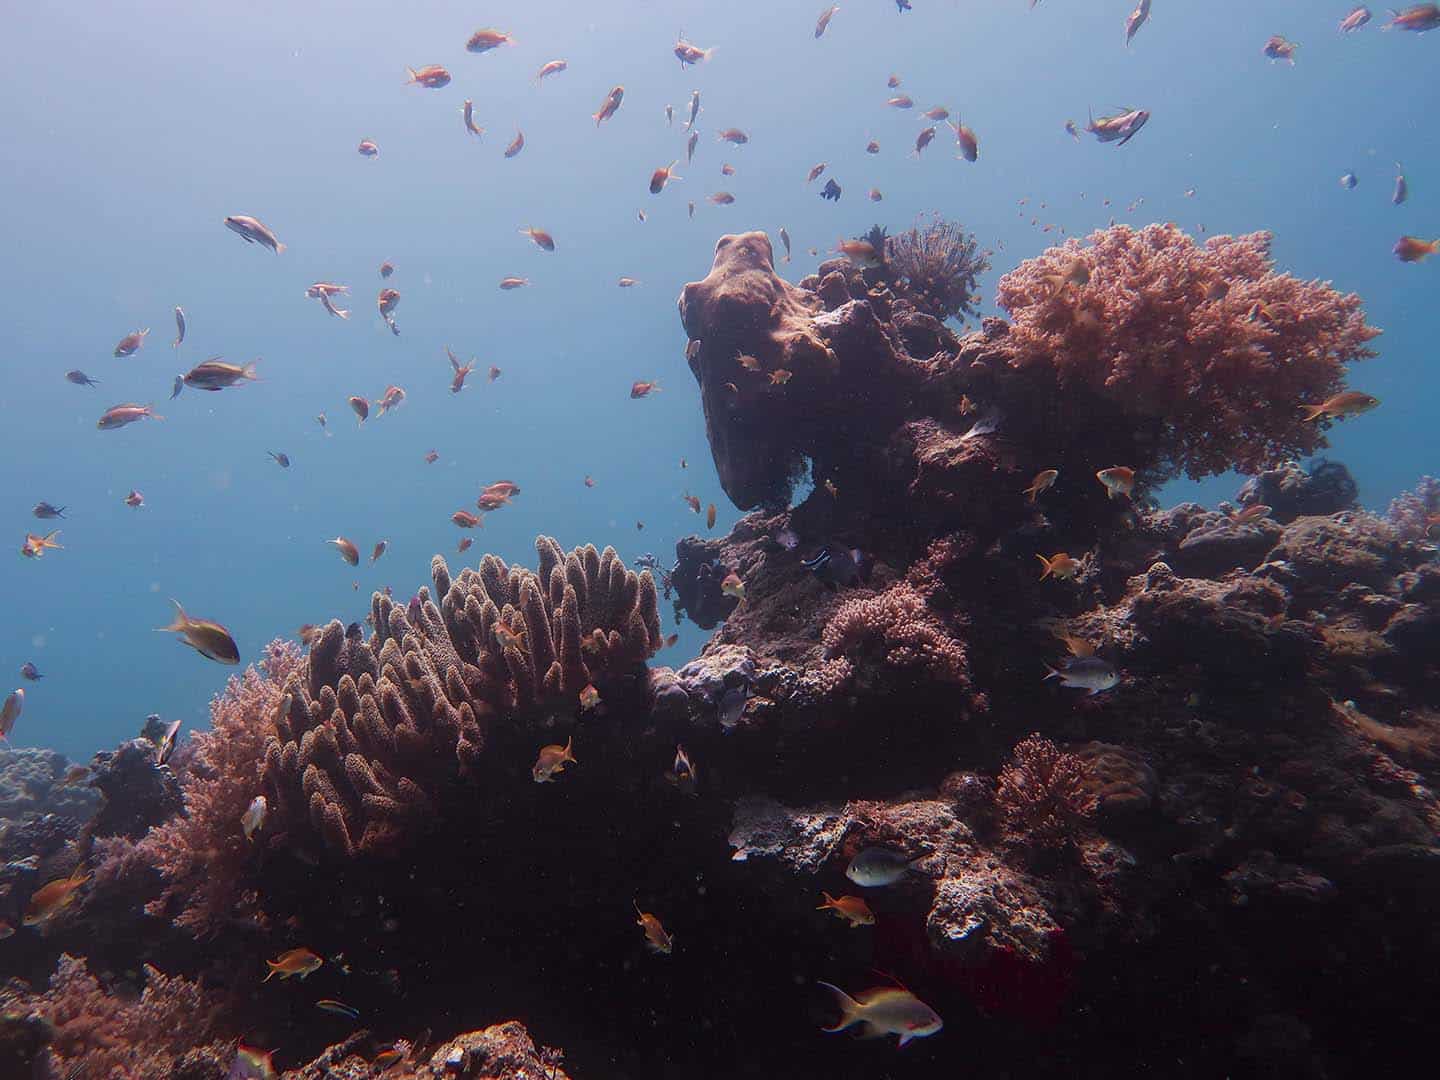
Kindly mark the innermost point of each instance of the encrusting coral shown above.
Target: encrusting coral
(1207, 342)
(368, 742)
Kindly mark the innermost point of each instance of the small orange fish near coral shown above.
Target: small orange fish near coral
(779, 377)
(609, 106)
(360, 407)
(492, 374)
(387, 268)
(1042, 483)
(465, 519)
(393, 397)
(1119, 480)
(901, 101)
(54, 897)
(589, 697)
(301, 962)
(484, 40)
(552, 760)
(1349, 403)
(379, 549)
(516, 144)
(130, 344)
(860, 252)
(657, 939)
(348, 551)
(550, 67)
(692, 501)
(1250, 513)
(710, 516)
(1059, 565)
(643, 389)
(464, 544)
(852, 909)
(733, 586)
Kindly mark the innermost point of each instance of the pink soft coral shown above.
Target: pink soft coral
(1042, 794)
(115, 1038)
(1209, 340)
(897, 628)
(202, 853)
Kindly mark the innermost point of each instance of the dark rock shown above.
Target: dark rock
(1291, 491)
(138, 793)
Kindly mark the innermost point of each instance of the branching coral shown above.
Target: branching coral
(376, 730)
(1043, 794)
(202, 853)
(1208, 342)
(113, 1038)
(1416, 513)
(935, 266)
(896, 629)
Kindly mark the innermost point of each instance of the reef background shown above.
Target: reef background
(130, 119)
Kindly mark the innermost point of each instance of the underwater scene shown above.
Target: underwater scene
(580, 541)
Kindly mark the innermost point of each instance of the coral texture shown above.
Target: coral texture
(1043, 793)
(935, 266)
(1415, 514)
(1207, 341)
(895, 628)
(202, 853)
(103, 1036)
(373, 735)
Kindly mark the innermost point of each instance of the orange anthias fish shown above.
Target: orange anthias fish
(609, 106)
(721, 198)
(710, 516)
(550, 67)
(822, 23)
(543, 240)
(516, 144)
(688, 53)
(431, 76)
(1418, 18)
(252, 1064)
(387, 301)
(779, 377)
(967, 142)
(1060, 565)
(1412, 249)
(431, 456)
(392, 398)
(657, 939)
(457, 381)
(1255, 512)
(923, 140)
(733, 586)
(815, 172)
(885, 1010)
(35, 547)
(348, 551)
(852, 909)
(209, 639)
(1350, 403)
(379, 549)
(54, 897)
(1278, 48)
(643, 389)
(660, 177)
(468, 112)
(301, 962)
(117, 416)
(860, 252)
(734, 136)
(130, 344)
(484, 40)
(465, 519)
(1119, 480)
(692, 501)
(509, 283)
(10, 712)
(552, 760)
(360, 407)
(589, 697)
(368, 148)
(387, 268)
(1042, 483)
(492, 374)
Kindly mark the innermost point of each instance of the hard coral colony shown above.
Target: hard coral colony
(361, 866)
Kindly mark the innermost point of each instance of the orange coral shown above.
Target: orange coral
(1207, 340)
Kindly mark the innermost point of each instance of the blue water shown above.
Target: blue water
(133, 130)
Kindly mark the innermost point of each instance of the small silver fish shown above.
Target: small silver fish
(179, 385)
(873, 867)
(1402, 189)
(694, 109)
(253, 231)
(253, 820)
(179, 327)
(1089, 673)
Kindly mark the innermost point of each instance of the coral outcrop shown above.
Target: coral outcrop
(371, 741)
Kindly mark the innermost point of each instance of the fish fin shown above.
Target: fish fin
(411, 72)
(1051, 673)
(248, 371)
(905, 1037)
(1312, 412)
(279, 247)
(829, 901)
(1045, 563)
(849, 1007)
(180, 623)
(274, 970)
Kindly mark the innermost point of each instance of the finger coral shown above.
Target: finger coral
(897, 630)
(372, 736)
(1044, 794)
(202, 853)
(1206, 342)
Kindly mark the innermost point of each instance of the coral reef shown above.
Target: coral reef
(370, 744)
(1415, 514)
(167, 1032)
(1042, 794)
(1292, 491)
(499, 1052)
(203, 853)
(935, 266)
(1205, 343)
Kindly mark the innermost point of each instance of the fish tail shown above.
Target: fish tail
(248, 371)
(274, 970)
(1051, 673)
(180, 623)
(849, 1007)
(829, 901)
(1313, 412)
(569, 750)
(413, 78)
(279, 247)
(1045, 563)
(150, 412)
